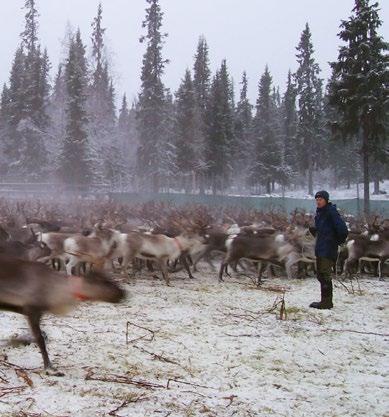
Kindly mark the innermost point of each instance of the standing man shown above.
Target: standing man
(330, 231)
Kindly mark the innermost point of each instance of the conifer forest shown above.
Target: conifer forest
(71, 125)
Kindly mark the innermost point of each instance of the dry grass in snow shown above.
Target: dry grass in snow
(199, 348)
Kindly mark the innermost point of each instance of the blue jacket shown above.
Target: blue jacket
(331, 231)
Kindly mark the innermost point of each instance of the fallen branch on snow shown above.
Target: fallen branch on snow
(129, 323)
(141, 397)
(11, 390)
(121, 379)
(163, 359)
(179, 381)
(355, 331)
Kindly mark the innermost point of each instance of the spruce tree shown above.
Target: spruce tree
(101, 105)
(202, 75)
(201, 84)
(75, 165)
(243, 146)
(127, 140)
(220, 126)
(124, 119)
(27, 121)
(289, 126)
(4, 130)
(345, 167)
(57, 114)
(150, 109)
(14, 107)
(308, 87)
(30, 34)
(187, 132)
(359, 89)
(166, 146)
(267, 154)
(282, 172)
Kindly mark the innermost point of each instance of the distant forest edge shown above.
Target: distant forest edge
(205, 137)
(103, 192)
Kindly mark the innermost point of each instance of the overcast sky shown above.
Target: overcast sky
(248, 33)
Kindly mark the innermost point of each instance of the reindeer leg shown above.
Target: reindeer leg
(71, 264)
(226, 271)
(34, 318)
(301, 270)
(149, 265)
(165, 273)
(222, 269)
(124, 265)
(380, 266)
(288, 266)
(206, 255)
(261, 267)
(57, 263)
(184, 262)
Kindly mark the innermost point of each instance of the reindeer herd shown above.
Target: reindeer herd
(52, 257)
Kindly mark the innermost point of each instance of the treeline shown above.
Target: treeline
(206, 136)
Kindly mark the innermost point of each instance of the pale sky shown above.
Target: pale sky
(248, 33)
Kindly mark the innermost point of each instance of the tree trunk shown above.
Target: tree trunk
(366, 178)
(335, 179)
(214, 188)
(155, 183)
(376, 186)
(268, 189)
(201, 180)
(310, 178)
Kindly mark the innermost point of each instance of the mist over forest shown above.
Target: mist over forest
(207, 136)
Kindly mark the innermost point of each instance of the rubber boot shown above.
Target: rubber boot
(326, 296)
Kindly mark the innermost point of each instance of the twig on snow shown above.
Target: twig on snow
(163, 359)
(141, 397)
(129, 323)
(355, 331)
(121, 379)
(230, 398)
(11, 390)
(179, 381)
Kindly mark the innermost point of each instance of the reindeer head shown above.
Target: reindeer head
(97, 286)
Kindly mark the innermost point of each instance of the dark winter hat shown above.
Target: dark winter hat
(323, 194)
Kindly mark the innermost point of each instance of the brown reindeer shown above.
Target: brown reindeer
(33, 289)
(158, 248)
(97, 249)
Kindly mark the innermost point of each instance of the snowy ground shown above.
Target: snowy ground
(222, 348)
(336, 194)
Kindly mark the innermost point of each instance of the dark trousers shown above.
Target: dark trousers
(324, 268)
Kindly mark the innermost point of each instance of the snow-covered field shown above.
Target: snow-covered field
(205, 349)
(337, 194)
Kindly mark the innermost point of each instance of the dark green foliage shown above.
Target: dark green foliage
(101, 108)
(23, 129)
(220, 131)
(359, 88)
(187, 132)
(267, 162)
(309, 93)
(201, 84)
(75, 167)
(242, 149)
(289, 126)
(151, 105)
